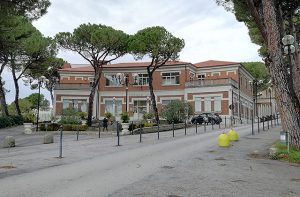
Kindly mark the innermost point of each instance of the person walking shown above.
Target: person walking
(105, 121)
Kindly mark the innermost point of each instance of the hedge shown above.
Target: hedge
(8, 121)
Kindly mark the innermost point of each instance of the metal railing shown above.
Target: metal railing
(71, 86)
(211, 82)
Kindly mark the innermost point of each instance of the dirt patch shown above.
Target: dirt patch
(173, 196)
(168, 167)
(257, 156)
(7, 167)
(211, 151)
(220, 159)
(295, 180)
(239, 181)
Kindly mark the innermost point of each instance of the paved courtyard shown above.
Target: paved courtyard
(191, 165)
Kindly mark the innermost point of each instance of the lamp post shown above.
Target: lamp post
(289, 48)
(123, 79)
(41, 82)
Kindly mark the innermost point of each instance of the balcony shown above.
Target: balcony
(72, 86)
(211, 82)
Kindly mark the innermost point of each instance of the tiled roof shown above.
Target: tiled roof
(212, 63)
(88, 68)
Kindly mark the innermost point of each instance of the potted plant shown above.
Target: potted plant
(125, 122)
(28, 122)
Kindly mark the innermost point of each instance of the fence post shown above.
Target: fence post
(196, 127)
(258, 124)
(225, 122)
(263, 123)
(99, 128)
(77, 133)
(157, 130)
(185, 127)
(204, 127)
(118, 133)
(212, 125)
(60, 141)
(140, 132)
(268, 125)
(173, 128)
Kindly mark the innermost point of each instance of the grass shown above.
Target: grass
(282, 154)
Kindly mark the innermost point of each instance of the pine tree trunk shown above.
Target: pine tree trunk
(150, 74)
(3, 99)
(18, 110)
(97, 77)
(286, 98)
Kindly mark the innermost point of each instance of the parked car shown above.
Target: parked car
(212, 118)
(198, 119)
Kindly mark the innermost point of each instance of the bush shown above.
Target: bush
(70, 120)
(6, 121)
(125, 117)
(18, 120)
(51, 127)
(82, 115)
(148, 125)
(108, 115)
(148, 116)
(29, 118)
(176, 111)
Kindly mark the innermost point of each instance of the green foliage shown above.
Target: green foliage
(148, 116)
(73, 127)
(70, 116)
(176, 111)
(82, 115)
(282, 154)
(18, 120)
(260, 72)
(29, 118)
(108, 115)
(125, 117)
(51, 126)
(6, 121)
(148, 124)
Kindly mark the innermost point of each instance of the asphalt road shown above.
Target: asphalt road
(154, 167)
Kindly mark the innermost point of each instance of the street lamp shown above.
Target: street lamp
(42, 81)
(289, 48)
(254, 85)
(123, 79)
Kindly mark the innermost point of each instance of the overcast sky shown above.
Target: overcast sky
(209, 32)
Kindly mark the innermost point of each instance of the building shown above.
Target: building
(210, 86)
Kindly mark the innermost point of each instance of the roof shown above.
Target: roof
(212, 63)
(89, 68)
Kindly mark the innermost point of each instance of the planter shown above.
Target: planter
(125, 127)
(83, 122)
(27, 128)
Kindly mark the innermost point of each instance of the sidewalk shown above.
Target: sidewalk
(241, 170)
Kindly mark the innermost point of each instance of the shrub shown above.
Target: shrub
(82, 115)
(176, 111)
(69, 120)
(6, 121)
(148, 116)
(51, 127)
(132, 127)
(29, 118)
(148, 125)
(18, 120)
(125, 117)
(108, 115)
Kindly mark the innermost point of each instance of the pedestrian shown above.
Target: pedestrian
(105, 121)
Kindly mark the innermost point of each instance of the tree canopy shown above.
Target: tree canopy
(160, 46)
(98, 44)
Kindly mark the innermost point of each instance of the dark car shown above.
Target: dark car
(212, 118)
(198, 119)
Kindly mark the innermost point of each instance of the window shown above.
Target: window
(140, 107)
(143, 79)
(197, 104)
(216, 74)
(112, 80)
(230, 72)
(166, 102)
(217, 103)
(201, 77)
(79, 104)
(207, 104)
(109, 107)
(170, 78)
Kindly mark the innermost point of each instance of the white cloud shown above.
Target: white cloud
(208, 30)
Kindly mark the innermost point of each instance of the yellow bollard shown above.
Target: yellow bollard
(233, 136)
(223, 140)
